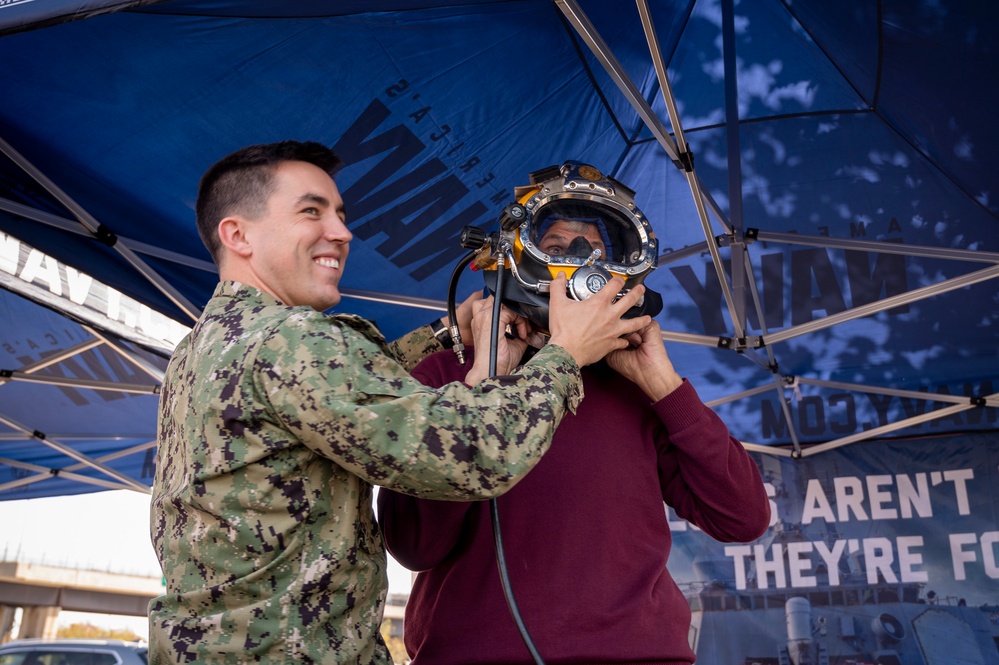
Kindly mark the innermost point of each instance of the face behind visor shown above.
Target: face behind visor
(584, 224)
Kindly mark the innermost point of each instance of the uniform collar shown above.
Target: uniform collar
(240, 291)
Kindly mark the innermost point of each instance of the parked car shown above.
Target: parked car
(73, 652)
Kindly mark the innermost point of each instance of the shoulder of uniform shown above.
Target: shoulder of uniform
(359, 324)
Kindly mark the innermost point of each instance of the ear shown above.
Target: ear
(233, 236)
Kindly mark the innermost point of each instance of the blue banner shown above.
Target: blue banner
(883, 552)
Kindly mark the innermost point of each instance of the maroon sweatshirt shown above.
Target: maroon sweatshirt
(585, 534)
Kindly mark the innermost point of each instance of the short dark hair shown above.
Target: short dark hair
(242, 182)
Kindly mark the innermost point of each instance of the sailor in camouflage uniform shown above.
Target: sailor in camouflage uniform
(276, 420)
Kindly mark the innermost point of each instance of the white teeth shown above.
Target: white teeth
(328, 263)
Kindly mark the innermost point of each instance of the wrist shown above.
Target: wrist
(661, 386)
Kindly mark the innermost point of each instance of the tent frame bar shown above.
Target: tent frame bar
(960, 403)
(891, 427)
(27, 373)
(21, 437)
(991, 400)
(152, 371)
(391, 299)
(57, 358)
(887, 303)
(878, 247)
(64, 224)
(834, 243)
(586, 30)
(90, 384)
(682, 158)
(734, 397)
(598, 47)
(74, 454)
(104, 458)
(95, 228)
(43, 473)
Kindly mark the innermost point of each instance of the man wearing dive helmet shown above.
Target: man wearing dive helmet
(585, 534)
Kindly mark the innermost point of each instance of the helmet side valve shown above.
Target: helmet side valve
(513, 216)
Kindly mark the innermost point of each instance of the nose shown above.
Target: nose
(579, 246)
(337, 231)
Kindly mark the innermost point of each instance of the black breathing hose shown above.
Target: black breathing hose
(494, 333)
(452, 307)
(511, 602)
(452, 287)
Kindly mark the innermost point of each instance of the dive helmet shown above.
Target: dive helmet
(576, 220)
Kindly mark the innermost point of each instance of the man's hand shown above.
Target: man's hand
(592, 328)
(511, 348)
(646, 363)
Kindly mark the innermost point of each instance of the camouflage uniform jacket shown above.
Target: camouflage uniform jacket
(274, 424)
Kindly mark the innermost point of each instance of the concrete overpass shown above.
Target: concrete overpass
(41, 592)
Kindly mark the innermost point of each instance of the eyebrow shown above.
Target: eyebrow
(319, 199)
(309, 197)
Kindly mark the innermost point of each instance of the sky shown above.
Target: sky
(105, 531)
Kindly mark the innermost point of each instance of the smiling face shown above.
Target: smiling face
(297, 249)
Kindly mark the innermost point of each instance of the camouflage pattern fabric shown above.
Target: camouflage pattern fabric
(275, 421)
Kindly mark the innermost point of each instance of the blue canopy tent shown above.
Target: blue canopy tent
(80, 369)
(63, 433)
(821, 176)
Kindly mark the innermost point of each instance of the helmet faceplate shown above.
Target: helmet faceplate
(562, 203)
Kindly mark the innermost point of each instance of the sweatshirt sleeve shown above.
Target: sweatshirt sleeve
(706, 474)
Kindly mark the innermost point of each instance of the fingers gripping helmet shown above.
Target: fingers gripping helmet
(575, 220)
